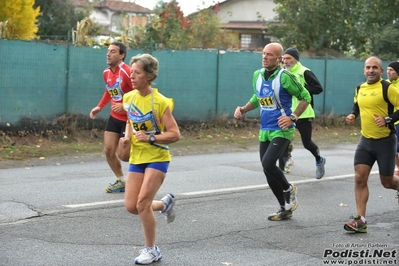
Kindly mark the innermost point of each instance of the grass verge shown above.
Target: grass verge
(219, 135)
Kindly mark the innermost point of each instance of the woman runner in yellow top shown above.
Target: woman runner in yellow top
(149, 114)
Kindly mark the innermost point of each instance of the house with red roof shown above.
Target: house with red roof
(115, 15)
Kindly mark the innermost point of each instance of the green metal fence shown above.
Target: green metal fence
(43, 81)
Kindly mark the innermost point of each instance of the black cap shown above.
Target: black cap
(293, 52)
(395, 66)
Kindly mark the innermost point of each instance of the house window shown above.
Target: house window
(254, 41)
(117, 23)
(245, 41)
(139, 20)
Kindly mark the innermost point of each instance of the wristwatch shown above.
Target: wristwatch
(388, 120)
(293, 117)
(152, 139)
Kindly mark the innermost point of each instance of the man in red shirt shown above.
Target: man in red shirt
(117, 83)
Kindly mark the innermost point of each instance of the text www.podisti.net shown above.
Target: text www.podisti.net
(362, 257)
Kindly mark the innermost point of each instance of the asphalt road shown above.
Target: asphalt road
(61, 215)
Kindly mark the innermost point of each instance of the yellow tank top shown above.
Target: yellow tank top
(144, 114)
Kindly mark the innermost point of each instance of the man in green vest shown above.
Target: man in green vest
(304, 123)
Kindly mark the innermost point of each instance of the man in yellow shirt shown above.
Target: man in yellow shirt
(377, 141)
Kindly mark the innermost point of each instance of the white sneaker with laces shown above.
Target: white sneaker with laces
(290, 197)
(169, 201)
(148, 256)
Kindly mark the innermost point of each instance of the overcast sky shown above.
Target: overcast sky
(187, 6)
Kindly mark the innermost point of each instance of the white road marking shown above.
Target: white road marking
(213, 191)
(91, 204)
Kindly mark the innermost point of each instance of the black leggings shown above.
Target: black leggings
(270, 152)
(304, 127)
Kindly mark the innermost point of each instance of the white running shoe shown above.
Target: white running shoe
(290, 197)
(281, 214)
(148, 256)
(169, 201)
